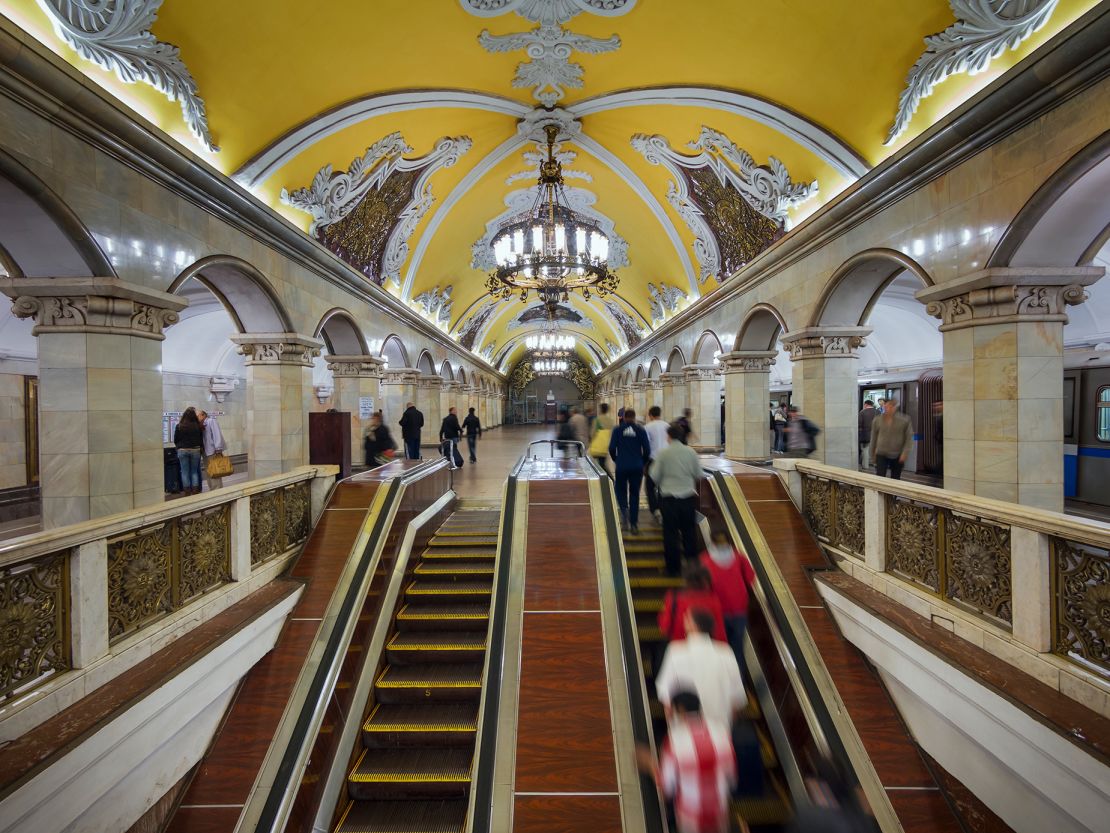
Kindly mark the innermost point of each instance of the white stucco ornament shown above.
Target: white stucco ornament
(548, 11)
(115, 35)
(983, 30)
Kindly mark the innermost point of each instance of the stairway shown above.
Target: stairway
(412, 773)
(768, 809)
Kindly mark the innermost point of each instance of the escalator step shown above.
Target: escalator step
(647, 605)
(462, 551)
(655, 582)
(436, 646)
(452, 569)
(442, 724)
(646, 563)
(635, 547)
(425, 682)
(645, 537)
(428, 616)
(404, 817)
(448, 590)
(387, 773)
(482, 541)
(649, 633)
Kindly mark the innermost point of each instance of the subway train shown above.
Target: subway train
(1086, 421)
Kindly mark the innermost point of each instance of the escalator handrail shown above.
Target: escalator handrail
(339, 616)
(819, 716)
(654, 819)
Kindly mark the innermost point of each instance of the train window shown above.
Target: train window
(1102, 416)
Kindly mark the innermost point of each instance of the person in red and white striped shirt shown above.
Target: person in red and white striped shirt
(697, 768)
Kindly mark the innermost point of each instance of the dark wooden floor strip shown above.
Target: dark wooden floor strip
(567, 814)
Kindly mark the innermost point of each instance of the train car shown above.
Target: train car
(1087, 432)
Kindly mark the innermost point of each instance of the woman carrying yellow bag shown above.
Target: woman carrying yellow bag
(602, 429)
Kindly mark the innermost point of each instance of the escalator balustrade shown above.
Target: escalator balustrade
(413, 770)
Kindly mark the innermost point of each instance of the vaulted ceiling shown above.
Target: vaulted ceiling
(438, 100)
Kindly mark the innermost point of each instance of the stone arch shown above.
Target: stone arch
(40, 235)
(394, 352)
(708, 347)
(655, 368)
(425, 364)
(856, 286)
(446, 372)
(640, 375)
(340, 334)
(460, 375)
(1067, 220)
(242, 290)
(762, 327)
(676, 360)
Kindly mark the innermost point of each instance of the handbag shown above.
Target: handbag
(219, 465)
(599, 445)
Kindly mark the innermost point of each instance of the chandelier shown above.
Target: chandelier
(550, 367)
(551, 248)
(547, 345)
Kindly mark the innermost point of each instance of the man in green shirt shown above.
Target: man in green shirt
(676, 472)
(891, 440)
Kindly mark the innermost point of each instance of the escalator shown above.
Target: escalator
(413, 761)
(761, 800)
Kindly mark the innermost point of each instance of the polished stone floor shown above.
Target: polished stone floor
(498, 451)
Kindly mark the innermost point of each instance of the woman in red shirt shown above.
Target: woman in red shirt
(698, 593)
(731, 574)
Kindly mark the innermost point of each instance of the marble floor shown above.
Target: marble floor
(498, 451)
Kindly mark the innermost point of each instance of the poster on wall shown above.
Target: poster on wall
(365, 407)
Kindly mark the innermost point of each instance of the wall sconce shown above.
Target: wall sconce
(220, 387)
(323, 393)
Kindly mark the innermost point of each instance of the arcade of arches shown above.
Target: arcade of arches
(774, 239)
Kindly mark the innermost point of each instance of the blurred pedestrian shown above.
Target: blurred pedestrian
(704, 666)
(685, 426)
(698, 593)
(864, 420)
(801, 434)
(411, 423)
(732, 576)
(378, 445)
(891, 440)
(601, 432)
(677, 472)
(657, 438)
(630, 450)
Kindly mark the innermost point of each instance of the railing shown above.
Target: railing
(69, 596)
(563, 445)
(1043, 576)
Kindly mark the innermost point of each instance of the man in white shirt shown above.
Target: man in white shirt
(705, 667)
(657, 438)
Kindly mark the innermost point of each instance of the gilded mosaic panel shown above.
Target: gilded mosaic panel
(205, 552)
(977, 566)
(140, 580)
(34, 622)
(911, 545)
(1081, 590)
(741, 231)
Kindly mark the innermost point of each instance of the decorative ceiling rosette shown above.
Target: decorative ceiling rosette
(735, 207)
(983, 30)
(367, 213)
(115, 35)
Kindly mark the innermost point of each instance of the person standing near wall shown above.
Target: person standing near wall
(411, 423)
(213, 444)
(891, 440)
(188, 438)
(473, 427)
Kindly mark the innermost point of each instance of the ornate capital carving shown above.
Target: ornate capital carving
(401, 376)
(92, 305)
(278, 348)
(701, 372)
(361, 366)
(429, 381)
(1008, 295)
(748, 361)
(825, 342)
(672, 378)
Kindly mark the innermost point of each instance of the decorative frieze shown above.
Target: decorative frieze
(278, 348)
(701, 372)
(401, 376)
(358, 366)
(825, 342)
(748, 361)
(1008, 295)
(92, 305)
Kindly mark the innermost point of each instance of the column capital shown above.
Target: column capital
(652, 384)
(93, 305)
(401, 376)
(358, 366)
(430, 380)
(451, 384)
(671, 377)
(291, 349)
(696, 372)
(825, 342)
(635, 386)
(748, 361)
(1008, 295)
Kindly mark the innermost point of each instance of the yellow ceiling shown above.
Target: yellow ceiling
(265, 67)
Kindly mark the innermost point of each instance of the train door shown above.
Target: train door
(1072, 408)
(930, 423)
(1093, 461)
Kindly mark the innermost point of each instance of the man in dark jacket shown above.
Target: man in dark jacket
(631, 450)
(473, 428)
(449, 433)
(411, 423)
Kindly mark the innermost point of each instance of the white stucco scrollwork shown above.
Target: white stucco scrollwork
(548, 11)
(436, 305)
(116, 36)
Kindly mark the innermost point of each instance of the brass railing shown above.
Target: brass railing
(967, 551)
(69, 595)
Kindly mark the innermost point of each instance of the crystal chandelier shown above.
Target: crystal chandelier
(549, 343)
(551, 248)
(550, 367)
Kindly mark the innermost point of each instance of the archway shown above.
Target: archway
(394, 352)
(655, 368)
(425, 364)
(707, 349)
(856, 286)
(341, 334)
(446, 372)
(676, 360)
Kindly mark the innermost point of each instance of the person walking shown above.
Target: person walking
(473, 428)
(656, 430)
(801, 434)
(213, 444)
(630, 451)
(188, 438)
(778, 425)
(411, 423)
(704, 666)
(732, 575)
(449, 433)
(698, 593)
(378, 444)
(580, 427)
(685, 426)
(865, 418)
(891, 440)
(601, 432)
(677, 471)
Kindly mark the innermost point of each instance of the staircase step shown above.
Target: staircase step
(411, 773)
(441, 724)
(438, 616)
(448, 591)
(436, 646)
(404, 817)
(427, 682)
(655, 582)
(453, 569)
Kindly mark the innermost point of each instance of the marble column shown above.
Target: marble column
(429, 399)
(826, 388)
(356, 377)
(653, 395)
(399, 388)
(100, 392)
(674, 395)
(1003, 379)
(703, 392)
(639, 401)
(448, 394)
(481, 407)
(747, 394)
(279, 393)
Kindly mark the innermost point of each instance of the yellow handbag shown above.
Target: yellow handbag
(219, 465)
(599, 445)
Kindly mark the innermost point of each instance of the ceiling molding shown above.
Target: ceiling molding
(288, 147)
(607, 157)
(810, 135)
